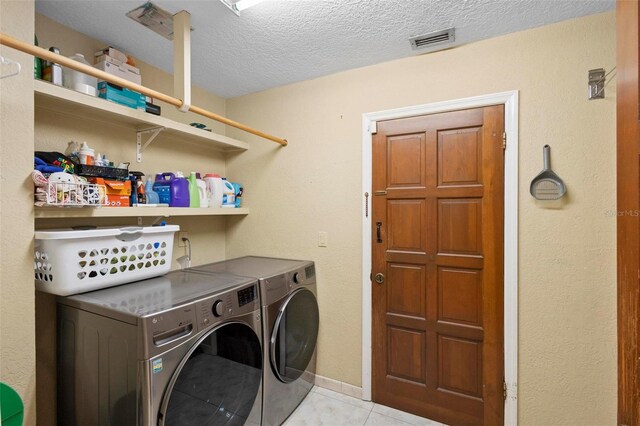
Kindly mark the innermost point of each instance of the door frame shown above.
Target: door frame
(510, 101)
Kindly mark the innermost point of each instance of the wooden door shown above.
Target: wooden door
(437, 239)
(628, 195)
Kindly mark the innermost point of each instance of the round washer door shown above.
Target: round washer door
(294, 336)
(218, 381)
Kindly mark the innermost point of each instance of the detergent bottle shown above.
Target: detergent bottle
(162, 187)
(214, 189)
(179, 191)
(194, 196)
(228, 195)
(202, 191)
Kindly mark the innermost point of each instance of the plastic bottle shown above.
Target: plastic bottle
(179, 191)
(37, 63)
(78, 81)
(162, 187)
(214, 189)
(152, 196)
(238, 190)
(228, 195)
(202, 191)
(194, 196)
(86, 154)
(53, 72)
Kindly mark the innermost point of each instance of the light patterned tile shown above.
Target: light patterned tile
(377, 419)
(320, 410)
(367, 405)
(405, 417)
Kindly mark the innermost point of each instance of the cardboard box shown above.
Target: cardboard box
(117, 192)
(114, 61)
(121, 95)
(119, 71)
(114, 53)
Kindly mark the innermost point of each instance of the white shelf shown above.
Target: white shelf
(68, 212)
(61, 99)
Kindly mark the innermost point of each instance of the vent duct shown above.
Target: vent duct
(434, 39)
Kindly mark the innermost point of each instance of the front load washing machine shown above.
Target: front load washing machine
(290, 328)
(183, 349)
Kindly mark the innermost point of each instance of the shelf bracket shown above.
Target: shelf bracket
(158, 219)
(140, 145)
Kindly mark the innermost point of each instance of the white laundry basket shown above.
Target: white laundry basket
(68, 261)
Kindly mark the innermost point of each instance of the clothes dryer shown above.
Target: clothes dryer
(290, 328)
(183, 349)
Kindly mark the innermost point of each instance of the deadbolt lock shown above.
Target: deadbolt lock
(379, 278)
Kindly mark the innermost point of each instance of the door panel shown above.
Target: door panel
(406, 164)
(460, 157)
(437, 317)
(460, 226)
(460, 296)
(404, 347)
(406, 293)
(460, 366)
(406, 225)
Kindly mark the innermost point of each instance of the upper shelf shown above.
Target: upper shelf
(50, 96)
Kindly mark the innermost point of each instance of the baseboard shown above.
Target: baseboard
(338, 386)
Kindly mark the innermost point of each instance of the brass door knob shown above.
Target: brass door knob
(379, 278)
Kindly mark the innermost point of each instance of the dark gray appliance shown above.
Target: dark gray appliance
(290, 328)
(183, 349)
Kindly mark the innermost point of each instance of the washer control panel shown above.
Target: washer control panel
(227, 304)
(247, 295)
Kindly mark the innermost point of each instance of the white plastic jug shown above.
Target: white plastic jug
(215, 188)
(229, 194)
(202, 192)
(78, 81)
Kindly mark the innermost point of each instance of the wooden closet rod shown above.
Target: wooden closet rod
(87, 69)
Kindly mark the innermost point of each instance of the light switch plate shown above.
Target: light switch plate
(322, 239)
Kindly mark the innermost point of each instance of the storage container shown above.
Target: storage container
(68, 261)
(119, 71)
(121, 95)
(78, 81)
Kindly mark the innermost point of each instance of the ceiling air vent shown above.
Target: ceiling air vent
(434, 39)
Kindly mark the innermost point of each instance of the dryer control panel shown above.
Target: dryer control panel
(275, 288)
(228, 304)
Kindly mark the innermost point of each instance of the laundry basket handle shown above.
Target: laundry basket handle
(130, 233)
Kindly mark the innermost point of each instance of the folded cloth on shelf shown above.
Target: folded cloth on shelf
(43, 167)
(56, 159)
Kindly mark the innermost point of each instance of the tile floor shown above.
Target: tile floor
(326, 407)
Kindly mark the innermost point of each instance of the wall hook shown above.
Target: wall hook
(13, 67)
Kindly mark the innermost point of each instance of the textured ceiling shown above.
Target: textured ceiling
(283, 41)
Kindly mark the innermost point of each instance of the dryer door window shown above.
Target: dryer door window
(295, 332)
(218, 382)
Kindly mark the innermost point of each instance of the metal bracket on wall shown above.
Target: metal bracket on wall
(158, 219)
(140, 146)
(598, 81)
